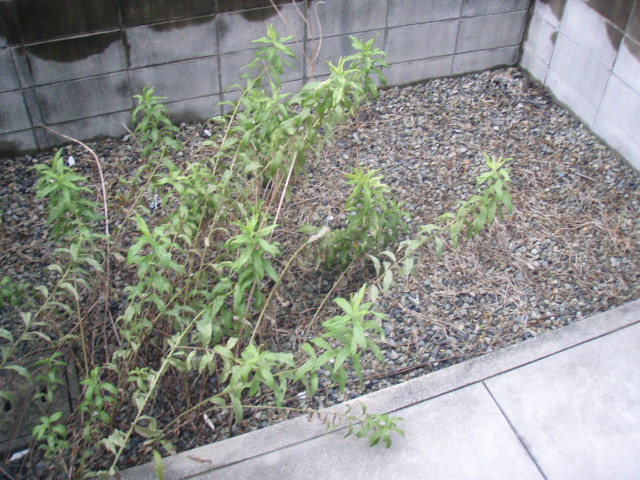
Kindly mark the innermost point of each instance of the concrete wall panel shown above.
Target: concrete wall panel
(422, 41)
(237, 30)
(93, 55)
(77, 63)
(84, 98)
(473, 8)
(417, 70)
(13, 113)
(339, 17)
(181, 80)
(595, 64)
(470, 62)
(627, 66)
(591, 32)
(167, 42)
(9, 77)
(422, 12)
(491, 31)
(580, 69)
(22, 141)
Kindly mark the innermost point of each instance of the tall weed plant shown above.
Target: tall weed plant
(206, 272)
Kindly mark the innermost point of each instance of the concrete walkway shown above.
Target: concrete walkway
(565, 405)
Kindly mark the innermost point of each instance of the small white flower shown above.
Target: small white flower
(71, 161)
(207, 133)
(155, 204)
(18, 455)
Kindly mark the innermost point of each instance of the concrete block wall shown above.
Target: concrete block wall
(74, 65)
(587, 53)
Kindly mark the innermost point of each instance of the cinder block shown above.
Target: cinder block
(616, 11)
(341, 17)
(231, 68)
(181, 80)
(551, 10)
(23, 69)
(473, 8)
(93, 128)
(586, 28)
(491, 31)
(484, 59)
(17, 142)
(400, 14)
(33, 107)
(418, 42)
(418, 70)
(173, 41)
(89, 97)
(541, 38)
(194, 110)
(142, 12)
(41, 21)
(534, 65)
(625, 144)
(633, 27)
(233, 96)
(332, 49)
(627, 66)
(8, 78)
(237, 30)
(622, 104)
(579, 69)
(13, 113)
(568, 95)
(74, 58)
(9, 26)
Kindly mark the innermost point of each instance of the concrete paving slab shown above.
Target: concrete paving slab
(428, 389)
(578, 411)
(463, 424)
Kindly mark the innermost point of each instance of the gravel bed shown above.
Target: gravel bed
(569, 250)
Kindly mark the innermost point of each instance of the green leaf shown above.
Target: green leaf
(157, 459)
(387, 280)
(344, 305)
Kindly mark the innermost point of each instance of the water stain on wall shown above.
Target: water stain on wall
(633, 27)
(9, 23)
(633, 47)
(40, 20)
(615, 36)
(234, 5)
(193, 22)
(8, 148)
(73, 49)
(617, 11)
(556, 6)
(141, 12)
(259, 15)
